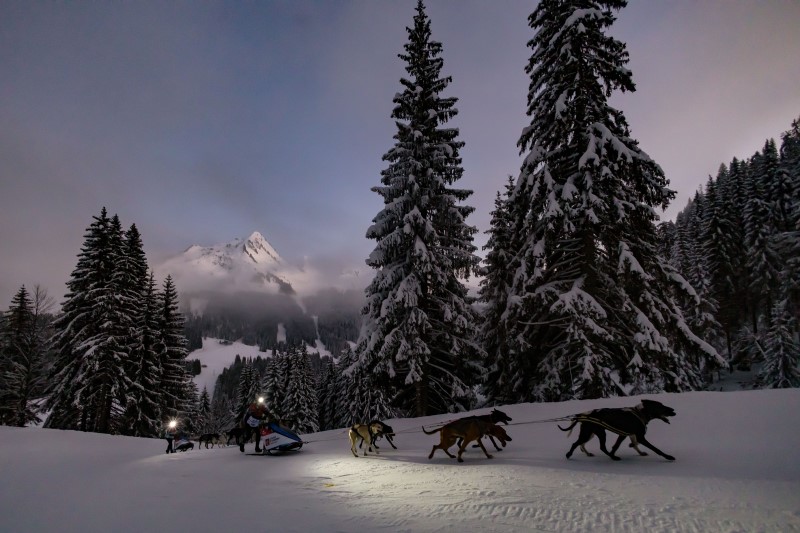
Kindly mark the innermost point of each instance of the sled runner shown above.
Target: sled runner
(278, 438)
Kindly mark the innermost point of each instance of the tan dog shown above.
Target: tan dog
(467, 429)
(366, 432)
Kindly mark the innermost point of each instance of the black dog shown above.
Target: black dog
(495, 417)
(383, 430)
(208, 438)
(627, 422)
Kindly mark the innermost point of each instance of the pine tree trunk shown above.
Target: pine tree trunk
(421, 400)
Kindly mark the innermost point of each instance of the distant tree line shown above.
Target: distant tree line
(738, 243)
(261, 327)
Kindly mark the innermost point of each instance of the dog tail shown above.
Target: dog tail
(568, 428)
(430, 432)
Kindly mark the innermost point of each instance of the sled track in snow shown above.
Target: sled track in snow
(504, 503)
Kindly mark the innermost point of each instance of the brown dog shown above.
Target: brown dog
(468, 430)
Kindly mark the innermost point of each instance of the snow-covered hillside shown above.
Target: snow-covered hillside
(216, 355)
(737, 469)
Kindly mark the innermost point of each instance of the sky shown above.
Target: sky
(201, 122)
(736, 468)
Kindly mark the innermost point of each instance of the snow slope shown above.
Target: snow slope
(737, 469)
(215, 356)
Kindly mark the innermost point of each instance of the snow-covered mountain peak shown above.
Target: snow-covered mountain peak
(259, 250)
(242, 264)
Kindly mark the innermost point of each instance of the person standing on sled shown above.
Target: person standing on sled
(255, 415)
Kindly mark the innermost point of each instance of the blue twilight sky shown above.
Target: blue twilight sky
(203, 121)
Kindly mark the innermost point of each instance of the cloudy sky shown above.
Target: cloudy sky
(203, 121)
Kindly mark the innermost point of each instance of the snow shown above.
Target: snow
(215, 356)
(737, 469)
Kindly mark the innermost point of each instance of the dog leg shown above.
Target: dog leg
(601, 436)
(616, 445)
(463, 447)
(388, 438)
(572, 449)
(496, 447)
(443, 445)
(643, 441)
(433, 450)
(488, 455)
(635, 445)
(585, 435)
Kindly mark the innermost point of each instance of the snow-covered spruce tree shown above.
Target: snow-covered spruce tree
(221, 413)
(327, 396)
(781, 368)
(143, 412)
(91, 337)
(204, 412)
(178, 390)
(22, 351)
(790, 242)
(503, 374)
(360, 397)
(594, 311)
(723, 254)
(249, 389)
(761, 234)
(418, 337)
(300, 403)
(272, 384)
(138, 301)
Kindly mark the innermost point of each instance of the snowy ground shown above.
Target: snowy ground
(737, 469)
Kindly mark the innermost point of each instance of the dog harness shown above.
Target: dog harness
(606, 425)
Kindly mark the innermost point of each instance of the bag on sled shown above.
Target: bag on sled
(277, 438)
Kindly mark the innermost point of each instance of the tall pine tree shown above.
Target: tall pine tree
(594, 309)
(177, 388)
(502, 382)
(143, 414)
(90, 339)
(419, 337)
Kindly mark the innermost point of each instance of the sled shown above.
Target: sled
(183, 444)
(276, 438)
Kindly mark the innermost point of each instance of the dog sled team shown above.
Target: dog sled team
(269, 435)
(624, 422)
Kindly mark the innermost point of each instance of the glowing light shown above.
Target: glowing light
(260, 399)
(173, 423)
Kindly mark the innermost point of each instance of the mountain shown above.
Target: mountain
(242, 265)
(244, 290)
